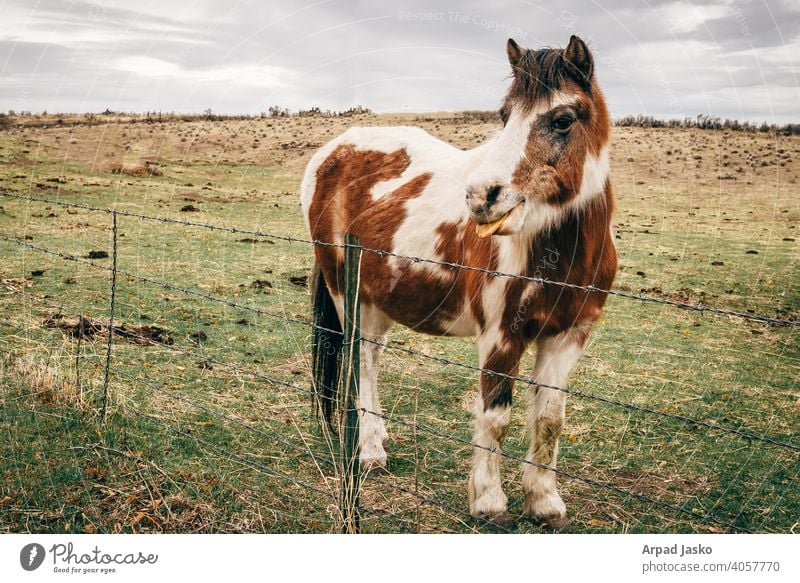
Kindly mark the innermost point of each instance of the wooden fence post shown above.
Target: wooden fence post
(350, 378)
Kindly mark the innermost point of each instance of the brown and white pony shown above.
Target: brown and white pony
(535, 200)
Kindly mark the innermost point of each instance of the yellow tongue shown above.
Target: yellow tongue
(490, 229)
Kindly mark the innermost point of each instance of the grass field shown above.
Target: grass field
(193, 445)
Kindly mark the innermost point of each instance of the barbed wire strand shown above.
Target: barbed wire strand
(449, 264)
(265, 434)
(705, 518)
(748, 435)
(456, 439)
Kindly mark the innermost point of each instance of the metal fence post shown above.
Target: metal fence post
(351, 362)
(104, 401)
(78, 387)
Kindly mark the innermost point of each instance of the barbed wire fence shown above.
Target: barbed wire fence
(347, 475)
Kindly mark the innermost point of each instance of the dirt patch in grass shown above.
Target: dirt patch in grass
(661, 486)
(251, 240)
(595, 508)
(15, 284)
(196, 197)
(139, 170)
(684, 294)
(82, 326)
(145, 503)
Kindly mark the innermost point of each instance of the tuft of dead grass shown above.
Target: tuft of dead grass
(44, 381)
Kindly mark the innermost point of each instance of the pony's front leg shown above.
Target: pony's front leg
(492, 415)
(555, 358)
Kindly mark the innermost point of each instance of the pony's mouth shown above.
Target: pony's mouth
(506, 224)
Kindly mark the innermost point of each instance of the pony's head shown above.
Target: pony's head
(554, 144)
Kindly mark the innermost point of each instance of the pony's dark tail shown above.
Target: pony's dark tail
(326, 347)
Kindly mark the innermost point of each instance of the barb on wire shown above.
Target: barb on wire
(701, 308)
(749, 435)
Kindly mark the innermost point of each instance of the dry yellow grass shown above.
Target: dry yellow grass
(44, 381)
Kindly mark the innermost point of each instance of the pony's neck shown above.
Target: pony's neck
(592, 211)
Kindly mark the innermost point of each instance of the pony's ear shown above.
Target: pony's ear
(514, 52)
(578, 61)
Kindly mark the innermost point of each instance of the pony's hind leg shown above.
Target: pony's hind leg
(555, 358)
(492, 415)
(372, 430)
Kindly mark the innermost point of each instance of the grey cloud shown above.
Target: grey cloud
(653, 56)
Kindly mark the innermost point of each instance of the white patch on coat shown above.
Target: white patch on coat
(595, 173)
(512, 258)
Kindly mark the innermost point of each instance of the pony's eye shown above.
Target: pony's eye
(563, 123)
(504, 115)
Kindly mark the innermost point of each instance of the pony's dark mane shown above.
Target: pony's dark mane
(537, 75)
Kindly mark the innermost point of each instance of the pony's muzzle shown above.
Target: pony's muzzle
(495, 209)
(482, 200)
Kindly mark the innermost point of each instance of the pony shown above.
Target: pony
(534, 200)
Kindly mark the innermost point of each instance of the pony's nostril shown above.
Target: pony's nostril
(492, 193)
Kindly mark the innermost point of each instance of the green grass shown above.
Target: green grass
(160, 463)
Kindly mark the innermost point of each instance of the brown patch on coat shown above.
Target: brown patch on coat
(345, 176)
(496, 391)
(585, 255)
(458, 243)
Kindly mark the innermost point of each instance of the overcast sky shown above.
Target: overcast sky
(665, 58)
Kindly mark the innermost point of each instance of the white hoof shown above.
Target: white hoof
(548, 509)
(491, 503)
(373, 459)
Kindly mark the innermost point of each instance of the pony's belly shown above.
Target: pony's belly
(430, 309)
